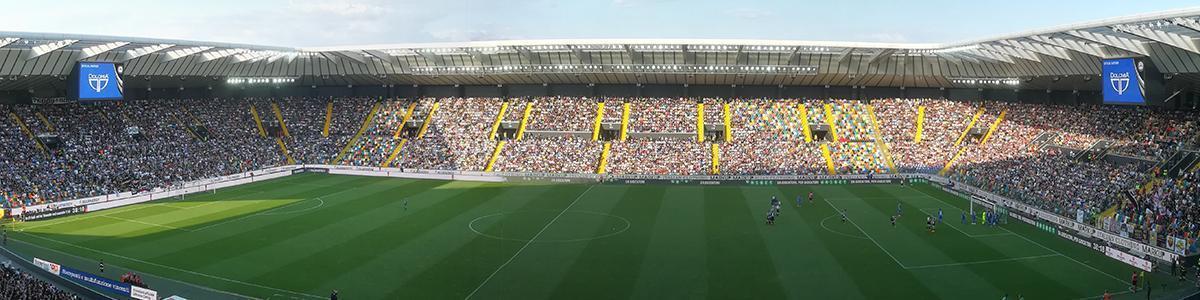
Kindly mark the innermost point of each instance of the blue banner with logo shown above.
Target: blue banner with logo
(100, 81)
(89, 279)
(1122, 82)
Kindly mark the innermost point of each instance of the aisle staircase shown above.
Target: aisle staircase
(958, 143)
(29, 133)
(283, 148)
(880, 144)
(328, 119)
(279, 118)
(920, 124)
(41, 117)
(404, 120)
(428, 119)
(499, 118)
(625, 110)
(716, 159)
(804, 124)
(602, 167)
(992, 129)
(395, 153)
(963, 135)
(599, 119)
(832, 126)
(828, 159)
(187, 127)
(491, 163)
(361, 130)
(700, 122)
(728, 120)
(524, 120)
(258, 121)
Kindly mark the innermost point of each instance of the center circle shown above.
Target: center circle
(521, 226)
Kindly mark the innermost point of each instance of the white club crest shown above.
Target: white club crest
(1119, 82)
(98, 82)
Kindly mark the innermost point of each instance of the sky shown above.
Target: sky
(314, 23)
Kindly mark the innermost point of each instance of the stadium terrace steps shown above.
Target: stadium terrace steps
(715, 159)
(978, 114)
(407, 115)
(283, 148)
(728, 120)
(395, 152)
(625, 111)
(491, 163)
(257, 121)
(880, 144)
(328, 119)
(804, 124)
(186, 127)
(828, 159)
(42, 117)
(992, 129)
(920, 124)
(598, 121)
(428, 119)
(29, 133)
(602, 167)
(361, 130)
(279, 118)
(700, 122)
(499, 118)
(524, 120)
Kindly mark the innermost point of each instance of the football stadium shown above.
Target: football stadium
(1059, 162)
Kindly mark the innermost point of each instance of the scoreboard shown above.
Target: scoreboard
(94, 81)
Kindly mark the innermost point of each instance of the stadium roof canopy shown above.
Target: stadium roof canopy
(1063, 58)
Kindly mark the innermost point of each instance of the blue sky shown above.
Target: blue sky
(354, 22)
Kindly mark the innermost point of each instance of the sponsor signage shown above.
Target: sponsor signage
(1127, 258)
(52, 213)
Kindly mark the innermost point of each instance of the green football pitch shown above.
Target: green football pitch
(302, 236)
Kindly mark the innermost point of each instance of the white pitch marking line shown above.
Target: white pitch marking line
(835, 231)
(170, 267)
(145, 223)
(530, 242)
(983, 261)
(839, 210)
(1035, 243)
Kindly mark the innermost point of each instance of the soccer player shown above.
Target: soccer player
(810, 196)
(843, 215)
(798, 200)
(893, 221)
(964, 218)
(101, 266)
(899, 211)
(405, 204)
(1133, 282)
(939, 215)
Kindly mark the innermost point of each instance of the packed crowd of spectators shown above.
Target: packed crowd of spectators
(768, 138)
(662, 115)
(380, 139)
(564, 154)
(457, 137)
(18, 285)
(564, 114)
(305, 120)
(659, 156)
(1164, 209)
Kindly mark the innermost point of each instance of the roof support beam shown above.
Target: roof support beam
(1074, 45)
(843, 55)
(580, 55)
(219, 54)
(100, 49)
(1040, 48)
(1172, 39)
(989, 55)
(185, 52)
(1188, 23)
(794, 58)
(42, 49)
(882, 55)
(529, 55)
(143, 51)
(6, 41)
(1010, 51)
(435, 58)
(353, 55)
(1110, 40)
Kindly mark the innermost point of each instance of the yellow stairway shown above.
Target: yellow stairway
(970, 125)
(499, 118)
(728, 122)
(404, 120)
(361, 130)
(920, 124)
(29, 133)
(428, 119)
(524, 120)
(186, 127)
(44, 120)
(624, 121)
(830, 121)
(596, 123)
(603, 166)
(992, 129)
(257, 121)
(279, 117)
(283, 148)
(395, 153)
(716, 159)
(880, 144)
(828, 159)
(700, 122)
(808, 138)
(495, 155)
(950, 163)
(328, 119)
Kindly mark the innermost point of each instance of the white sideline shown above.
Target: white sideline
(982, 261)
(534, 238)
(165, 267)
